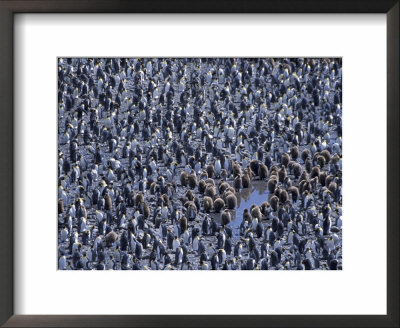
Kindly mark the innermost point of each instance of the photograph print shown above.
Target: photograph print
(199, 164)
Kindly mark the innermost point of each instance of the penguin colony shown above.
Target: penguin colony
(153, 154)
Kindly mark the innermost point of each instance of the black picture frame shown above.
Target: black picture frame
(7, 11)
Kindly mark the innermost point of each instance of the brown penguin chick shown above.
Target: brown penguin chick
(246, 215)
(274, 175)
(262, 171)
(183, 223)
(146, 210)
(314, 172)
(304, 176)
(315, 156)
(189, 195)
(297, 170)
(192, 180)
(210, 182)
(256, 212)
(290, 166)
(245, 181)
(110, 238)
(236, 170)
(305, 154)
(187, 202)
(60, 206)
(283, 196)
(184, 179)
(282, 174)
(263, 208)
(183, 200)
(248, 171)
(108, 202)
(225, 217)
(196, 202)
(202, 186)
(203, 175)
(191, 210)
(329, 179)
(237, 183)
(219, 204)
(210, 171)
(308, 165)
(321, 161)
(335, 159)
(301, 186)
(294, 152)
(304, 186)
(224, 175)
(271, 184)
(322, 178)
(327, 155)
(165, 200)
(222, 187)
(274, 171)
(332, 187)
(210, 191)
(139, 199)
(277, 191)
(254, 166)
(231, 201)
(230, 190)
(153, 188)
(207, 204)
(285, 159)
(274, 201)
(294, 193)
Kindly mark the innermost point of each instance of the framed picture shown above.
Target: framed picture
(184, 141)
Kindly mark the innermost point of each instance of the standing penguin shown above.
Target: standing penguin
(326, 225)
(62, 263)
